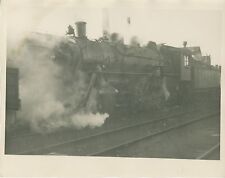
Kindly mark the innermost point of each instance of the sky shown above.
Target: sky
(162, 21)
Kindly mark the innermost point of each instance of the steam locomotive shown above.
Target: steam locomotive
(132, 77)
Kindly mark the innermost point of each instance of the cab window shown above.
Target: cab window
(186, 61)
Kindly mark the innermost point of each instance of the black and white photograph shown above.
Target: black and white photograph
(113, 80)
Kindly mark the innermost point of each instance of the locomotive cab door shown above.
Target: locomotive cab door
(185, 87)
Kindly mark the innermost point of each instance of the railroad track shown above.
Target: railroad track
(101, 133)
(18, 143)
(103, 152)
(101, 143)
(32, 134)
(209, 152)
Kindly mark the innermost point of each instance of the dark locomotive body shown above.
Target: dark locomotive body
(124, 76)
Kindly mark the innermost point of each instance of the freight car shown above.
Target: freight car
(12, 95)
(132, 77)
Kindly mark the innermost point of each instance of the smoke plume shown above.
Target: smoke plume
(49, 91)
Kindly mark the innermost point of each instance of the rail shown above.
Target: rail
(208, 152)
(107, 133)
(102, 133)
(151, 135)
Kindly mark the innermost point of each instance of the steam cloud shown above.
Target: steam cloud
(49, 91)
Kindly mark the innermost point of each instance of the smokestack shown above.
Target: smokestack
(81, 29)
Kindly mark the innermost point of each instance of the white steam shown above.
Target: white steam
(49, 93)
(165, 89)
